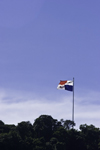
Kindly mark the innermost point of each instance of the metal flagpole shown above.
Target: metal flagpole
(73, 103)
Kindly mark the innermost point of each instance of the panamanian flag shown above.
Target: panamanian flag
(65, 85)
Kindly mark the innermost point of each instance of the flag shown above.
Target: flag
(65, 85)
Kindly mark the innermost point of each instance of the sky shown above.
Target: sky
(41, 43)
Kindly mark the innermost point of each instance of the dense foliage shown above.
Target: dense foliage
(48, 134)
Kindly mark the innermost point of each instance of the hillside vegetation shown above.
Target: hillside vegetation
(47, 133)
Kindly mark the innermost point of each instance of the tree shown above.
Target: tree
(67, 124)
(25, 129)
(91, 135)
(1, 123)
(44, 126)
(75, 141)
(39, 143)
(10, 141)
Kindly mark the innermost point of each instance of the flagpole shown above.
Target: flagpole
(73, 103)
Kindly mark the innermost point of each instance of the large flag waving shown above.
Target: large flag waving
(66, 85)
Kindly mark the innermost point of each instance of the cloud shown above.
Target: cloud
(16, 107)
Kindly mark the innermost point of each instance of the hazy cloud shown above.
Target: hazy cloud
(22, 107)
